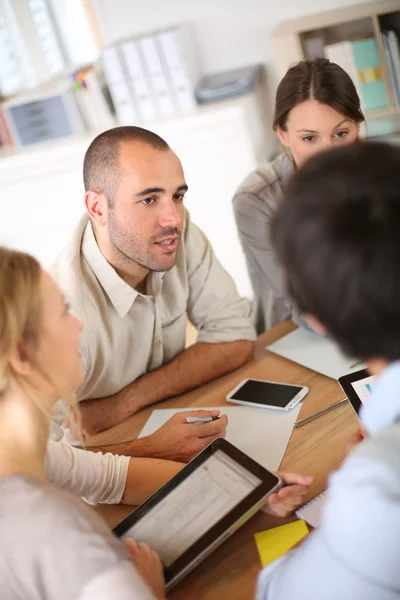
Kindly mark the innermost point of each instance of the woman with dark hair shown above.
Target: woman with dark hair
(317, 107)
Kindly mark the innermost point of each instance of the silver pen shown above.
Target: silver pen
(201, 419)
(319, 413)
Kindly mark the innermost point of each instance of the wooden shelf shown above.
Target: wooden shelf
(337, 16)
(382, 112)
(306, 39)
(353, 22)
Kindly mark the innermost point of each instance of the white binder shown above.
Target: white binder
(118, 85)
(342, 54)
(157, 79)
(181, 65)
(140, 88)
(97, 103)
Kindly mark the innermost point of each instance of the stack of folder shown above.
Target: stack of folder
(153, 75)
(392, 51)
(360, 59)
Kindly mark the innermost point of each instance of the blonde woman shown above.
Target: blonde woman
(52, 545)
(317, 107)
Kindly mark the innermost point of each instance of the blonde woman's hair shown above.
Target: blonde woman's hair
(20, 317)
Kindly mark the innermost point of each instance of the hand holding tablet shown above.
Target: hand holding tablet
(199, 508)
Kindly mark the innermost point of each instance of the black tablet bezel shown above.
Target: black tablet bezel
(345, 383)
(268, 482)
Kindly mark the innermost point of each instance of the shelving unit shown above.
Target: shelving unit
(305, 39)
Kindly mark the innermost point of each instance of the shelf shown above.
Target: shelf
(335, 17)
(214, 119)
(305, 38)
(382, 112)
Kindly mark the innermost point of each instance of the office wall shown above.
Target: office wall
(229, 33)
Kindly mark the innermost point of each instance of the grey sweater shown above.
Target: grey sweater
(255, 203)
(54, 547)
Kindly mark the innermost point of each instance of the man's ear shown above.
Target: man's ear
(96, 205)
(20, 361)
(315, 324)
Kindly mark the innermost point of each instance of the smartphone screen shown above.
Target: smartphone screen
(266, 393)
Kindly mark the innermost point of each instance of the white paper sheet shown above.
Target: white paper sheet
(261, 433)
(315, 352)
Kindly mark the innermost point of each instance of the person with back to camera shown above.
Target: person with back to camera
(337, 237)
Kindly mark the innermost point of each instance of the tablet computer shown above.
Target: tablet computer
(200, 507)
(357, 387)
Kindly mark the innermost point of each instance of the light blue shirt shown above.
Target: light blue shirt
(355, 553)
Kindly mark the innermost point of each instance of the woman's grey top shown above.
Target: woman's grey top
(54, 547)
(255, 203)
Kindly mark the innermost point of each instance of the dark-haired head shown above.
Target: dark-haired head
(101, 165)
(135, 188)
(317, 107)
(337, 236)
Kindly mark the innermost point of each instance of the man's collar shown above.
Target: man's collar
(120, 293)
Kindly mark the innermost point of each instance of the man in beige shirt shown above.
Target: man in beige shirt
(134, 269)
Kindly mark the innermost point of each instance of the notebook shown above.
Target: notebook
(311, 512)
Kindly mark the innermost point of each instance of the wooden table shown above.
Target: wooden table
(315, 449)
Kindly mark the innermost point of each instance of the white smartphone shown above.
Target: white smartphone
(267, 394)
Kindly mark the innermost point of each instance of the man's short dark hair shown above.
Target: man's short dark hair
(101, 169)
(337, 234)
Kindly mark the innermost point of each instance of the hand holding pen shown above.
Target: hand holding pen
(181, 440)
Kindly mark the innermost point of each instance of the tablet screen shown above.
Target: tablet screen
(363, 387)
(358, 387)
(196, 504)
(266, 393)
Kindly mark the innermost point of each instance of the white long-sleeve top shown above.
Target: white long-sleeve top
(96, 477)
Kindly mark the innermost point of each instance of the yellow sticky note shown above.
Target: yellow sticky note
(274, 543)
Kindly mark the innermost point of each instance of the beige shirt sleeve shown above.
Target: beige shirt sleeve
(214, 305)
(96, 477)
